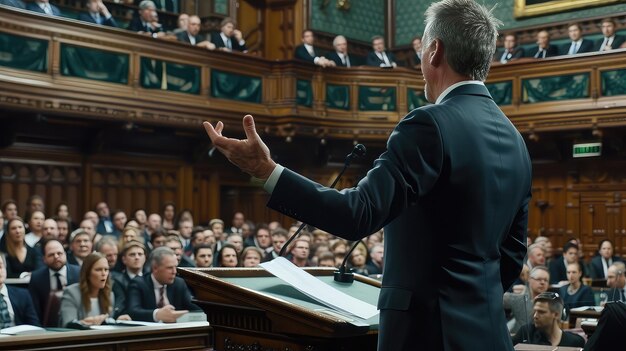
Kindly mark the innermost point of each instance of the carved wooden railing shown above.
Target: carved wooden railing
(65, 67)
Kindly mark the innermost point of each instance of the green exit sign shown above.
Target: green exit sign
(587, 150)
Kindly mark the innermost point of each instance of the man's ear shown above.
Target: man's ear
(436, 53)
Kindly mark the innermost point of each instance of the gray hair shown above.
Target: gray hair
(156, 256)
(468, 32)
(106, 240)
(147, 4)
(337, 38)
(533, 272)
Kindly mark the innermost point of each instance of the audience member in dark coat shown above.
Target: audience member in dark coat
(97, 13)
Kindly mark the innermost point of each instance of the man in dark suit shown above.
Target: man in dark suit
(161, 295)
(544, 49)
(229, 39)
(578, 44)
(601, 263)
(16, 299)
(97, 13)
(510, 51)
(380, 57)
(307, 52)
(45, 279)
(451, 192)
(15, 3)
(43, 6)
(164, 5)
(611, 41)
(616, 280)
(340, 56)
(415, 58)
(134, 259)
(558, 266)
(192, 35)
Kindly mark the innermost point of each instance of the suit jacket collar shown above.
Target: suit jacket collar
(151, 298)
(464, 88)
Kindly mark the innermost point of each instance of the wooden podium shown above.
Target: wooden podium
(249, 309)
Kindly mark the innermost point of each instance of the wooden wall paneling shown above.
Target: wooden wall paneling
(620, 234)
(250, 22)
(556, 211)
(572, 218)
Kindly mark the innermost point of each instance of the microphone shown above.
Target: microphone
(357, 152)
(344, 274)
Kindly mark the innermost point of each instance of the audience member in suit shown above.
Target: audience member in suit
(35, 225)
(15, 3)
(105, 225)
(80, 247)
(601, 262)
(146, 22)
(340, 56)
(616, 280)
(558, 266)
(97, 13)
(119, 222)
(578, 44)
(611, 41)
(92, 300)
(203, 256)
(165, 5)
(192, 36)
(229, 39)
(134, 260)
(174, 243)
(546, 326)
(536, 256)
(160, 295)
(43, 6)
(236, 224)
(107, 246)
(380, 57)
(520, 305)
(544, 49)
(21, 259)
(307, 52)
(576, 294)
(45, 279)
(375, 264)
(415, 58)
(511, 51)
(17, 300)
(181, 24)
(279, 238)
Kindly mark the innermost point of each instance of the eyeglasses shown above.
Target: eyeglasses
(545, 280)
(548, 295)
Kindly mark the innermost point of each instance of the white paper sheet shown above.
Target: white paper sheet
(317, 289)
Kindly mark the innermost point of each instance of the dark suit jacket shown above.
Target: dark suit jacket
(452, 193)
(170, 5)
(32, 262)
(15, 3)
(373, 60)
(413, 60)
(142, 302)
(32, 6)
(617, 42)
(39, 286)
(516, 53)
(333, 56)
(184, 37)
(597, 271)
(22, 306)
(302, 54)
(86, 17)
(616, 295)
(216, 39)
(550, 51)
(585, 46)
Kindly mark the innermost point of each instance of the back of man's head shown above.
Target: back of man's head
(468, 32)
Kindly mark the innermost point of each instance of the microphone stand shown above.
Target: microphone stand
(344, 274)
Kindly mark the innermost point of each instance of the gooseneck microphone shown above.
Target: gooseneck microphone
(344, 274)
(357, 152)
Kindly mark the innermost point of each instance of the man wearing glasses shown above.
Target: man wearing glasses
(520, 304)
(546, 326)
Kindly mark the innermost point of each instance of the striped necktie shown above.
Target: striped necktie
(5, 317)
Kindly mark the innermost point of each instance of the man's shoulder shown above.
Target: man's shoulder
(571, 339)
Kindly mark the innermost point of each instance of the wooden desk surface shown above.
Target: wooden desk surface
(530, 347)
(182, 336)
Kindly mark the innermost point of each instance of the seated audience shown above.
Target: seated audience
(15, 3)
(35, 225)
(21, 259)
(521, 304)
(611, 41)
(104, 225)
(119, 222)
(544, 49)
(536, 256)
(181, 26)
(415, 58)
(229, 39)
(616, 280)
(169, 213)
(375, 264)
(174, 243)
(237, 241)
(192, 34)
(307, 52)
(575, 294)
(56, 275)
(227, 256)
(300, 253)
(80, 247)
(380, 57)
(16, 306)
(578, 44)
(63, 226)
(159, 296)
(91, 301)
(600, 264)
(165, 5)
(558, 266)
(340, 56)
(326, 259)
(143, 24)
(50, 231)
(261, 238)
(510, 51)
(134, 260)
(97, 13)
(279, 238)
(108, 248)
(545, 328)
(203, 256)
(251, 256)
(43, 6)
(358, 260)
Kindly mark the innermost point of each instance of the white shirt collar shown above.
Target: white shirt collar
(4, 291)
(224, 37)
(454, 86)
(577, 42)
(156, 283)
(62, 271)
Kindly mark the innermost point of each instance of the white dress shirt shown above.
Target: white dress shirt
(311, 51)
(62, 276)
(157, 295)
(607, 42)
(575, 46)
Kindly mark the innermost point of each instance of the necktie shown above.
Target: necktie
(57, 275)
(540, 54)
(229, 44)
(5, 317)
(573, 48)
(47, 9)
(347, 60)
(605, 43)
(161, 302)
(504, 57)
